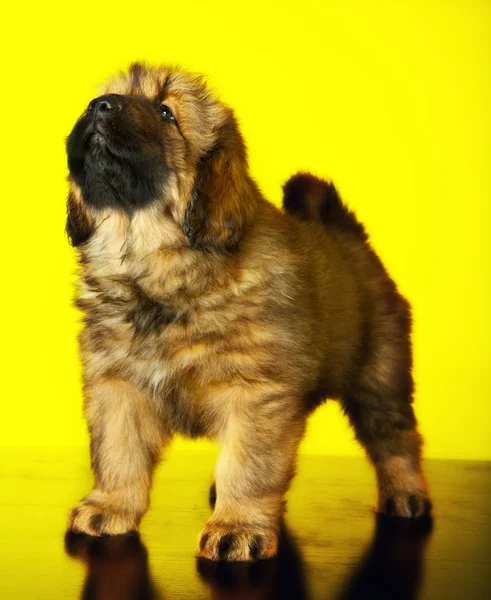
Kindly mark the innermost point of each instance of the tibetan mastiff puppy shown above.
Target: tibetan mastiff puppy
(210, 312)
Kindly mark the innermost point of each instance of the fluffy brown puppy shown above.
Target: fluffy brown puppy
(209, 312)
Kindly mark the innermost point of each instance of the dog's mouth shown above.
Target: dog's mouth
(97, 139)
(96, 134)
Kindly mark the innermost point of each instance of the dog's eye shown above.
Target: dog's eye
(166, 112)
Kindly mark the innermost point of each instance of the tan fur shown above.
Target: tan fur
(209, 312)
(117, 412)
(399, 481)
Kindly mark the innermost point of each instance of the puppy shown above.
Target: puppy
(209, 312)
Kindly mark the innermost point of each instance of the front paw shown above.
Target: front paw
(237, 542)
(94, 518)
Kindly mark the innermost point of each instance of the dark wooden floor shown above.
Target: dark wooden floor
(332, 545)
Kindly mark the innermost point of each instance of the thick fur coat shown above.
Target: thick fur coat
(209, 312)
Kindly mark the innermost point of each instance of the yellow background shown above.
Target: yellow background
(389, 99)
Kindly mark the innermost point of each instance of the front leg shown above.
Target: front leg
(126, 439)
(253, 473)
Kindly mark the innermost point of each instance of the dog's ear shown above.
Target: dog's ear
(224, 198)
(79, 224)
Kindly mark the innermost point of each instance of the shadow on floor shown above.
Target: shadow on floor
(392, 568)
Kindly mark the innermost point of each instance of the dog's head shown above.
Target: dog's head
(157, 136)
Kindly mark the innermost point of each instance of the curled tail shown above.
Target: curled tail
(309, 198)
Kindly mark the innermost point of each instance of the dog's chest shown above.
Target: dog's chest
(147, 343)
(148, 318)
(174, 328)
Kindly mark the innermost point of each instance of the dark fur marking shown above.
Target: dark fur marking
(178, 414)
(204, 539)
(212, 495)
(79, 226)
(255, 546)
(97, 522)
(414, 504)
(390, 506)
(91, 282)
(136, 72)
(150, 317)
(224, 545)
(164, 89)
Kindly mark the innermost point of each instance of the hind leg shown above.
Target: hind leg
(379, 406)
(386, 427)
(378, 402)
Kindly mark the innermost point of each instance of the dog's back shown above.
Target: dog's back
(385, 321)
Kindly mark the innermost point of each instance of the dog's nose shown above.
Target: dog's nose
(104, 104)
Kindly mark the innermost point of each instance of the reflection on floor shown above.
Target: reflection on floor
(117, 568)
(332, 545)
